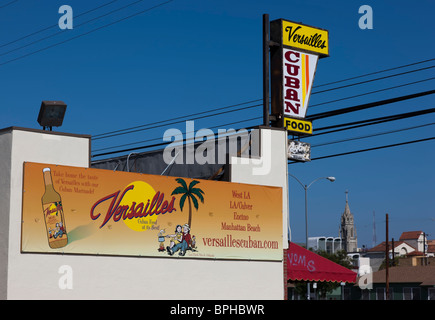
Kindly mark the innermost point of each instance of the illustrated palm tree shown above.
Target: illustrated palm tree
(191, 193)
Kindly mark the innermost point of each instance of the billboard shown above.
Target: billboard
(101, 212)
(293, 62)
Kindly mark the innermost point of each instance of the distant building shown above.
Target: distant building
(377, 253)
(327, 244)
(411, 244)
(361, 265)
(405, 283)
(347, 229)
(415, 239)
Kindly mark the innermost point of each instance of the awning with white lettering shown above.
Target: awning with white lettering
(303, 264)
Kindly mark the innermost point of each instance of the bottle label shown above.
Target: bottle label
(53, 215)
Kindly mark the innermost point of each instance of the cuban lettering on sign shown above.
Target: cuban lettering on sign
(298, 75)
(296, 125)
(304, 37)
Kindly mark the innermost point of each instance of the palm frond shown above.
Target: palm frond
(182, 200)
(182, 182)
(192, 184)
(197, 192)
(179, 190)
(195, 202)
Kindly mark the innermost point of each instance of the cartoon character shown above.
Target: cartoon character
(193, 245)
(175, 239)
(161, 239)
(184, 243)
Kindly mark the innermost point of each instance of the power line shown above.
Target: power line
(372, 135)
(158, 124)
(178, 121)
(369, 149)
(394, 117)
(358, 124)
(376, 72)
(8, 4)
(86, 33)
(100, 136)
(372, 80)
(159, 144)
(375, 148)
(367, 105)
(371, 92)
(372, 121)
(76, 26)
(159, 138)
(56, 25)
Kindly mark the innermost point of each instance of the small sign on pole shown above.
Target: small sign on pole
(299, 151)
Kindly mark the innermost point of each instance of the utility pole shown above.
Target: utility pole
(374, 230)
(387, 261)
(392, 252)
(266, 44)
(424, 249)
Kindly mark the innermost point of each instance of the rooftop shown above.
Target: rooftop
(424, 275)
(410, 235)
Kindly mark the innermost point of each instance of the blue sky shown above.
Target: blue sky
(189, 56)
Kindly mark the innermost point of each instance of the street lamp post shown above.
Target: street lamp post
(306, 187)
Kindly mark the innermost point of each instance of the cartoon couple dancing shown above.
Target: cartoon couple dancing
(181, 240)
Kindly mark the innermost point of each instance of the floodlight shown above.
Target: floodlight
(51, 114)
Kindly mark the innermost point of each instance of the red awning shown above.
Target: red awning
(303, 264)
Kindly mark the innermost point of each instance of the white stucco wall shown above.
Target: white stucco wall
(41, 276)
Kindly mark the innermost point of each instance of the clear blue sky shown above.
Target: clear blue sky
(190, 56)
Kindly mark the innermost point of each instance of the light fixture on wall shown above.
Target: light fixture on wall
(51, 114)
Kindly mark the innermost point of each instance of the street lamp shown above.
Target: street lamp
(332, 179)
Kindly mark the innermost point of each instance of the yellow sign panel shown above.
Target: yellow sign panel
(94, 211)
(297, 125)
(304, 37)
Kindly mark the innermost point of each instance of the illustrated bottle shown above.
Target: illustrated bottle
(53, 214)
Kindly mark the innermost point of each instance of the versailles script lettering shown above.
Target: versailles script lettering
(312, 41)
(135, 210)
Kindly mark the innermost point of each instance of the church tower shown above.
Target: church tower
(347, 229)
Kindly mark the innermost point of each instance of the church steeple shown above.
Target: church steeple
(347, 228)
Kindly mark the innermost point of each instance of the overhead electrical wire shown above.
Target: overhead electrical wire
(364, 106)
(86, 33)
(56, 25)
(8, 4)
(184, 133)
(367, 122)
(75, 26)
(175, 122)
(185, 117)
(373, 73)
(372, 135)
(348, 125)
(369, 149)
(313, 117)
(372, 80)
(372, 92)
(318, 116)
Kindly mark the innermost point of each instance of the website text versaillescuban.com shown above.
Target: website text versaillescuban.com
(229, 242)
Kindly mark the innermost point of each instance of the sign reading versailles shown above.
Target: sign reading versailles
(94, 211)
(300, 36)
